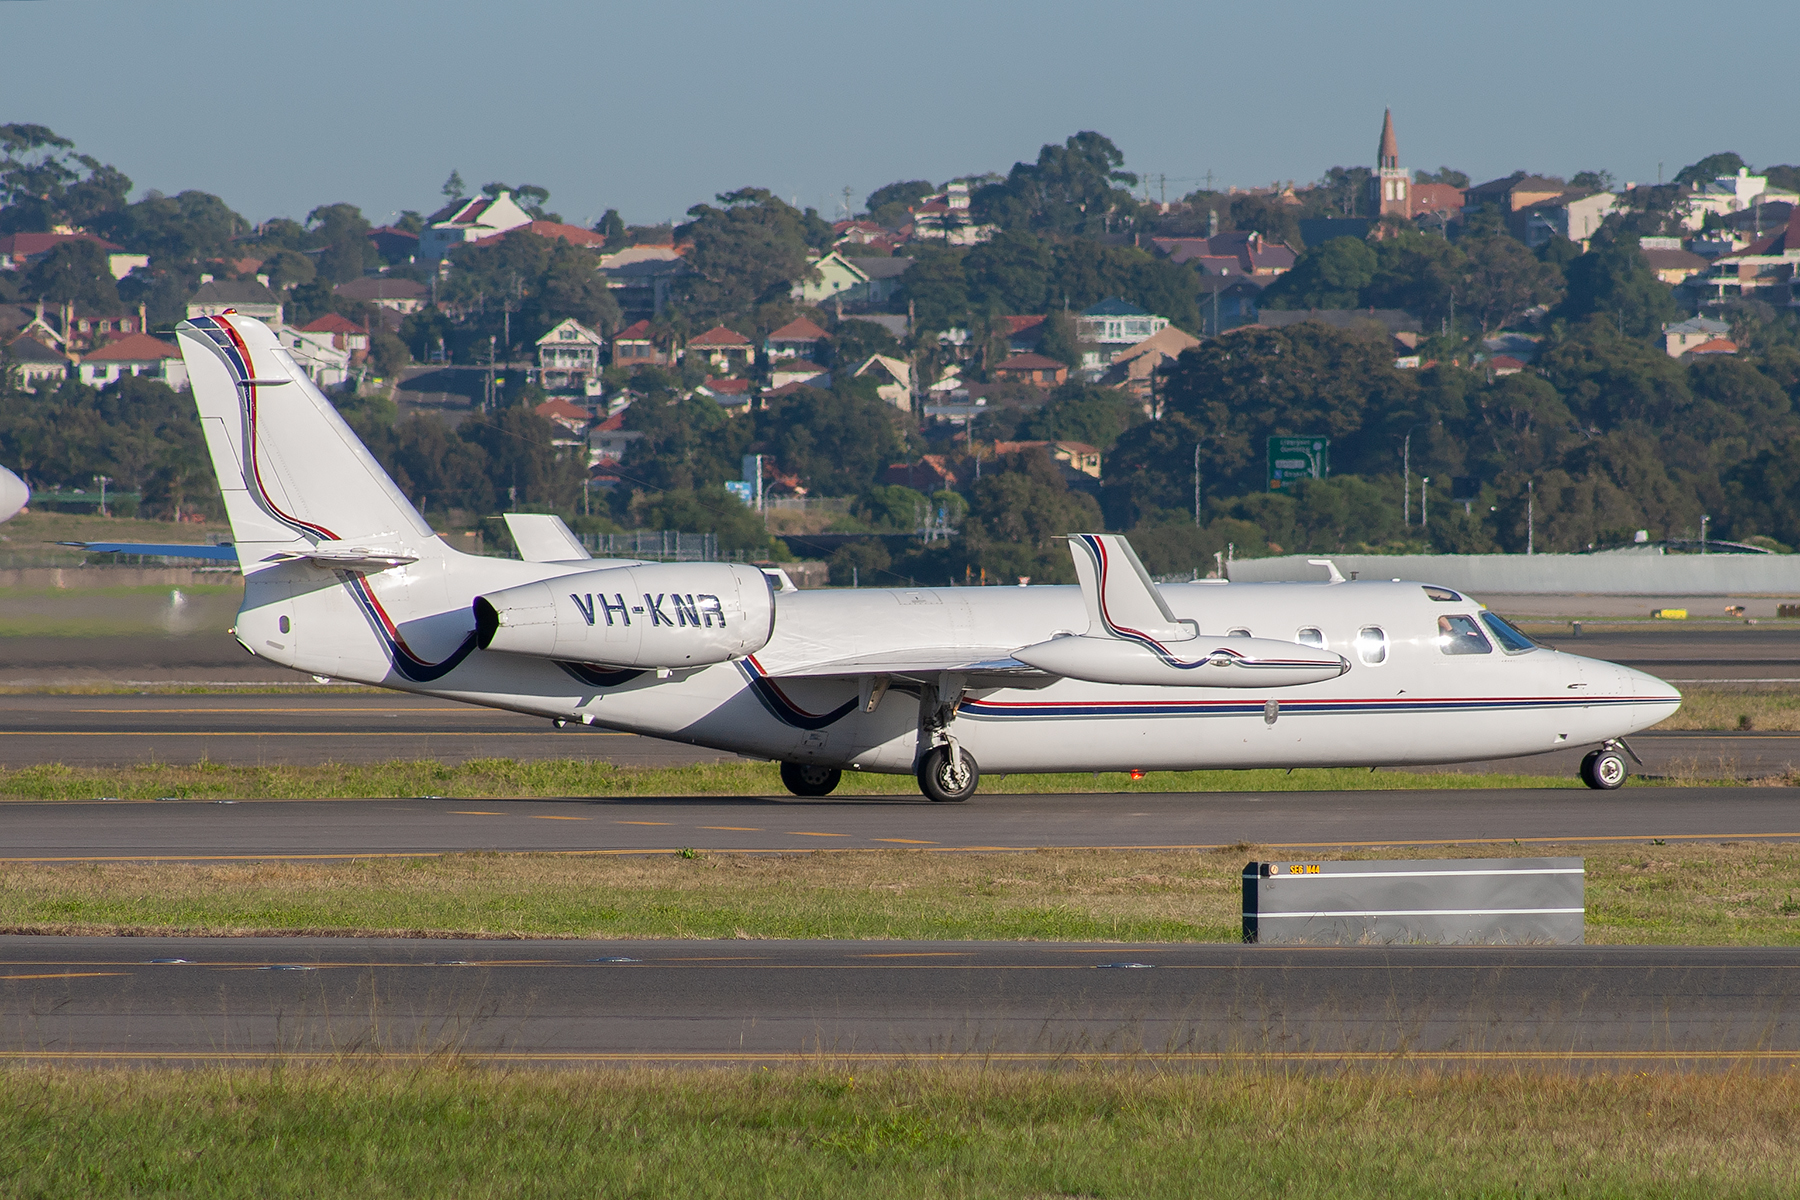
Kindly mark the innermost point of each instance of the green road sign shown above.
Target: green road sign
(1292, 458)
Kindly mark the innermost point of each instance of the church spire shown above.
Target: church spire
(1388, 156)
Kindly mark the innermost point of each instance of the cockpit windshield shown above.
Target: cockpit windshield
(1510, 639)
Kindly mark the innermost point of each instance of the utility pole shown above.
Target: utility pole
(1424, 503)
(1196, 485)
(103, 480)
(847, 213)
(1406, 483)
(1530, 515)
(1703, 520)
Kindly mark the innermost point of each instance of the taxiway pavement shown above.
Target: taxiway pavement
(213, 1001)
(181, 830)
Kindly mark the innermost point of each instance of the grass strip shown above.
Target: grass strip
(442, 1131)
(1637, 894)
(509, 778)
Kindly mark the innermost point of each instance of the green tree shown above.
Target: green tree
(183, 228)
(1332, 275)
(892, 205)
(1082, 412)
(1615, 282)
(1071, 188)
(1009, 274)
(74, 271)
(1417, 272)
(1710, 168)
(747, 252)
(1456, 179)
(936, 288)
(44, 182)
(1017, 513)
(710, 510)
(288, 266)
(611, 226)
(1501, 279)
(454, 188)
(866, 563)
(837, 441)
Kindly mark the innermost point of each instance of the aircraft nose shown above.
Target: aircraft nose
(1656, 700)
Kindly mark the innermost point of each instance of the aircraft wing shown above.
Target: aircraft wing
(979, 664)
(226, 553)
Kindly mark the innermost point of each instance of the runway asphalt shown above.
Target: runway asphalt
(178, 830)
(213, 1001)
(265, 730)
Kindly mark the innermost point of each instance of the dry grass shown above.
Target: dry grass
(1686, 893)
(1775, 709)
(440, 1130)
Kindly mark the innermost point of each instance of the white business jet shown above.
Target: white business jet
(343, 578)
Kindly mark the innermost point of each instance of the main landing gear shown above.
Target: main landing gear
(809, 779)
(947, 772)
(1604, 769)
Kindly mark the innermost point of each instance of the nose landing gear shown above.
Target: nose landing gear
(1604, 769)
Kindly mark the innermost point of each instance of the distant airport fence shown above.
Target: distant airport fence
(1624, 573)
(654, 545)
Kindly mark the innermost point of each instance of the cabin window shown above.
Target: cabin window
(1510, 639)
(1372, 645)
(1237, 633)
(1443, 595)
(1311, 637)
(1461, 635)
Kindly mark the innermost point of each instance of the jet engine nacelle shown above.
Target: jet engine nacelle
(652, 615)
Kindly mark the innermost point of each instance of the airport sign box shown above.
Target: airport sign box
(1295, 458)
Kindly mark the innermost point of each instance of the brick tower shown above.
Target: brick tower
(1389, 185)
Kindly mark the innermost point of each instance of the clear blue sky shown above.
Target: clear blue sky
(649, 108)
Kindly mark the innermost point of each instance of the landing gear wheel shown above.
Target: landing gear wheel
(809, 779)
(1603, 770)
(942, 781)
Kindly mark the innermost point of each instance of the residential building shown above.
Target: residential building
(33, 364)
(733, 395)
(1672, 266)
(642, 277)
(796, 339)
(1227, 302)
(18, 251)
(1077, 456)
(569, 358)
(610, 440)
(1104, 330)
(83, 327)
(726, 350)
(1716, 346)
(395, 245)
(575, 235)
(1388, 185)
(945, 217)
(570, 418)
(136, 354)
(930, 474)
(1514, 192)
(795, 372)
(465, 221)
(248, 299)
(635, 346)
(1442, 201)
(1765, 269)
(1683, 336)
(1024, 333)
(1573, 215)
(828, 276)
(397, 295)
(1730, 194)
(344, 333)
(1243, 251)
(1502, 365)
(860, 233)
(894, 376)
(881, 276)
(317, 354)
(1033, 369)
(1136, 368)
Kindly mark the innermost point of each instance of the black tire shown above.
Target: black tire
(810, 779)
(940, 781)
(1604, 770)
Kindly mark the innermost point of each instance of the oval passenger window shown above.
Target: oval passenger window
(1311, 637)
(1371, 644)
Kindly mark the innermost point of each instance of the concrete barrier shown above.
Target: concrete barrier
(1623, 573)
(1458, 901)
(39, 579)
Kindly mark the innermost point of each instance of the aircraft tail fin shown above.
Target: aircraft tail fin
(292, 472)
(1122, 600)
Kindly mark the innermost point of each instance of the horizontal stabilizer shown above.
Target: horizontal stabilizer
(1122, 601)
(543, 538)
(1236, 662)
(916, 662)
(347, 556)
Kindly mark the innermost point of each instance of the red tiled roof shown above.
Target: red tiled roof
(1506, 362)
(133, 347)
(26, 244)
(1017, 325)
(718, 335)
(573, 234)
(612, 424)
(333, 323)
(558, 407)
(728, 387)
(801, 330)
(637, 331)
(1715, 346)
(1784, 242)
(1031, 362)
